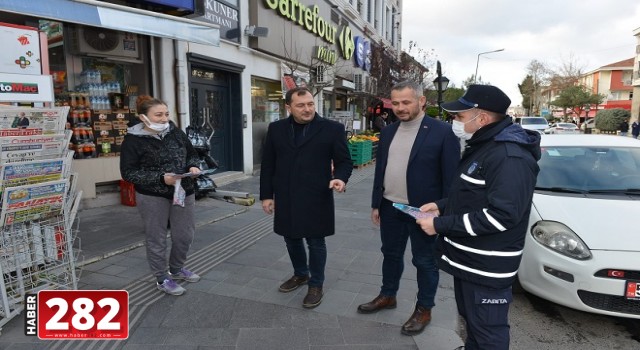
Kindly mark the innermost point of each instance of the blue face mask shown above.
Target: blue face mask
(159, 127)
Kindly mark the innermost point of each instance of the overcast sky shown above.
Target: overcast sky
(595, 32)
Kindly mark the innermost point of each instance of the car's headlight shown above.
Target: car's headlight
(557, 236)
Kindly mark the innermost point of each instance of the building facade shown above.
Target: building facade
(223, 66)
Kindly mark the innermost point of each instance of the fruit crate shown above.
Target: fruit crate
(360, 152)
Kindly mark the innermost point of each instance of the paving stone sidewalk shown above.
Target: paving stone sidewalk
(237, 304)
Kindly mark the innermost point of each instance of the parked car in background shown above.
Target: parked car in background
(591, 123)
(582, 250)
(562, 128)
(538, 124)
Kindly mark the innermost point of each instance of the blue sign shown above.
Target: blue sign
(179, 4)
(367, 56)
(359, 54)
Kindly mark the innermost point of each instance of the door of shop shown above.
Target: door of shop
(210, 108)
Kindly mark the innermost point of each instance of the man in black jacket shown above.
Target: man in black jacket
(297, 183)
(482, 225)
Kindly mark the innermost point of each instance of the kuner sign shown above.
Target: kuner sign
(309, 19)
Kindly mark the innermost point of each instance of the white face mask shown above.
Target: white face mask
(458, 129)
(159, 127)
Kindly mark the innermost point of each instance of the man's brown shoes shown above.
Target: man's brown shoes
(313, 297)
(416, 323)
(377, 304)
(293, 283)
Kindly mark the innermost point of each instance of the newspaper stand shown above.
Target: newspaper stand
(39, 204)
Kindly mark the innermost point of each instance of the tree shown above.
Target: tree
(610, 119)
(527, 89)
(567, 74)
(472, 80)
(413, 63)
(574, 98)
(384, 66)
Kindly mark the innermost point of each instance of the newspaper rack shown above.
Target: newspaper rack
(38, 207)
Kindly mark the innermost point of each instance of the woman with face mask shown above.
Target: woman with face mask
(152, 153)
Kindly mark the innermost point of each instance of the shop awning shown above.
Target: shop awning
(117, 17)
(386, 103)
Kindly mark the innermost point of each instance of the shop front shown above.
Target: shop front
(316, 47)
(100, 57)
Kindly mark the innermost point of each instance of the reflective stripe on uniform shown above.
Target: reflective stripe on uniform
(481, 252)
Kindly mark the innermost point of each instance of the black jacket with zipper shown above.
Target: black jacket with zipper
(146, 157)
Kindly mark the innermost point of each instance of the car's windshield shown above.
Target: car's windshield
(528, 121)
(589, 168)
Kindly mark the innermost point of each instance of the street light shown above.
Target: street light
(587, 109)
(441, 84)
(475, 77)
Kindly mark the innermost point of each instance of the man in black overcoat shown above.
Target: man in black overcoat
(297, 175)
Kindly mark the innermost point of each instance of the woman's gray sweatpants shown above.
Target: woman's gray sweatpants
(156, 212)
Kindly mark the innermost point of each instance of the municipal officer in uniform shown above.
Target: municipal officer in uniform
(481, 226)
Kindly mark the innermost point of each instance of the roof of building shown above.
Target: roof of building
(624, 63)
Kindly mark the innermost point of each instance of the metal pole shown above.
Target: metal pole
(475, 77)
(439, 73)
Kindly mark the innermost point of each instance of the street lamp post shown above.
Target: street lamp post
(441, 83)
(475, 77)
(587, 109)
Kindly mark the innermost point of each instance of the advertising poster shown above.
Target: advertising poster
(20, 52)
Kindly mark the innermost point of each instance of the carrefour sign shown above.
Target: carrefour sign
(308, 18)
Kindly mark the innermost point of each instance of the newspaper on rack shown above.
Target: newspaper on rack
(26, 148)
(32, 172)
(26, 121)
(33, 202)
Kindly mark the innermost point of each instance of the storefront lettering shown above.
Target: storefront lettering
(19, 88)
(306, 17)
(326, 55)
(216, 10)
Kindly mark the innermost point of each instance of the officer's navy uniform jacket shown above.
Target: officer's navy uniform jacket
(484, 220)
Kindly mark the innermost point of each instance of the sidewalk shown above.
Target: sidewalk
(242, 262)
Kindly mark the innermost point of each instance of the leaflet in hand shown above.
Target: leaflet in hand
(413, 211)
(203, 172)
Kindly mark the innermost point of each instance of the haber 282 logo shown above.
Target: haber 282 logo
(18, 88)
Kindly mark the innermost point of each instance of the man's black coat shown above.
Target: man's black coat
(297, 177)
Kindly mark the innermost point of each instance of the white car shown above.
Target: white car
(583, 245)
(538, 124)
(563, 128)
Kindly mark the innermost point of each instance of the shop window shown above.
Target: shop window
(267, 104)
